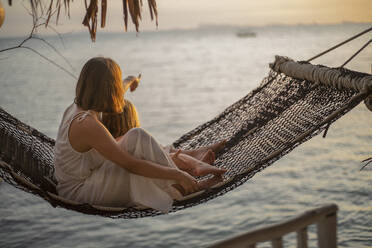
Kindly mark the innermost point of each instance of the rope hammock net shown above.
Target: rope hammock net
(295, 102)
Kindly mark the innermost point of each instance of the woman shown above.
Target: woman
(92, 167)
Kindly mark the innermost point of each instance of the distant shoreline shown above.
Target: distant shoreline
(201, 27)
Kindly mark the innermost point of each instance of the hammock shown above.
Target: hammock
(295, 102)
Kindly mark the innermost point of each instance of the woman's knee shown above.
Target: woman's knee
(139, 141)
(136, 133)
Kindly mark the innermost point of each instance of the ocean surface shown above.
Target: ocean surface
(188, 77)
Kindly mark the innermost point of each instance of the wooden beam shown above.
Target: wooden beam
(278, 230)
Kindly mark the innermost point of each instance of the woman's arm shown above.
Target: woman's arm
(91, 133)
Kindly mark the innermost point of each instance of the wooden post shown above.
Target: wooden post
(327, 231)
(277, 243)
(302, 238)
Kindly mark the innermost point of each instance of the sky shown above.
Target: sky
(185, 14)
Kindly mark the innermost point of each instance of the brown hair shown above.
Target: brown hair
(100, 87)
(119, 124)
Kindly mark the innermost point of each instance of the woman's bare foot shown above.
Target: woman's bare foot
(204, 184)
(194, 166)
(208, 157)
(207, 183)
(203, 169)
(218, 146)
(204, 153)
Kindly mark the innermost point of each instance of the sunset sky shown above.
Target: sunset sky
(176, 14)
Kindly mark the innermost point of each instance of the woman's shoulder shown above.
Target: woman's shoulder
(85, 118)
(74, 114)
(86, 123)
(84, 130)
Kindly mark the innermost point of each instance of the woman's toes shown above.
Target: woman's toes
(208, 157)
(219, 171)
(220, 146)
(210, 182)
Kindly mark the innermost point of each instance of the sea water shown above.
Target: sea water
(188, 77)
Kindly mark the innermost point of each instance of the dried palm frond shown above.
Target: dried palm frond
(153, 10)
(90, 19)
(103, 13)
(131, 7)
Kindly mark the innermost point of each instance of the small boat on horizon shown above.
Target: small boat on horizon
(246, 34)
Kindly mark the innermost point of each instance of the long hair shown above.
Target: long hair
(119, 124)
(100, 86)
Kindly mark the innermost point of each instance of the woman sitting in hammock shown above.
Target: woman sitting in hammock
(126, 167)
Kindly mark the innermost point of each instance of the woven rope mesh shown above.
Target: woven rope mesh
(259, 129)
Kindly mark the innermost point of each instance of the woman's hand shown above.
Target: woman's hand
(132, 82)
(188, 183)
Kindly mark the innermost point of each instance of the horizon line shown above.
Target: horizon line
(200, 26)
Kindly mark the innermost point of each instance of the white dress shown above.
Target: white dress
(90, 178)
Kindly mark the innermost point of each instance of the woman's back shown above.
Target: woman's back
(72, 167)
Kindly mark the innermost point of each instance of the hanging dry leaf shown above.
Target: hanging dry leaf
(125, 13)
(103, 13)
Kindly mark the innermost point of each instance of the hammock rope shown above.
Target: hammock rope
(340, 44)
(295, 102)
(356, 53)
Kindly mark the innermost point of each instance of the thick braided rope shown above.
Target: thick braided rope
(335, 77)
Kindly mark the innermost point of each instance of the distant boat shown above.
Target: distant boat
(246, 34)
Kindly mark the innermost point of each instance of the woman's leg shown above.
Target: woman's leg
(143, 191)
(142, 145)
